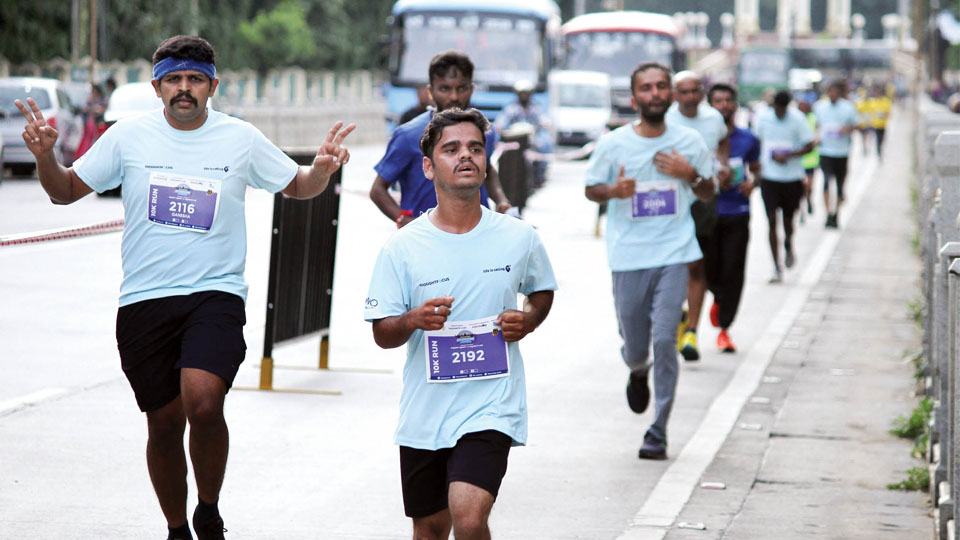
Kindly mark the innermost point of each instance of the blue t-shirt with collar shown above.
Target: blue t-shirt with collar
(160, 260)
(484, 270)
(403, 163)
(655, 241)
(744, 150)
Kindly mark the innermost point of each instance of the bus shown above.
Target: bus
(615, 42)
(508, 41)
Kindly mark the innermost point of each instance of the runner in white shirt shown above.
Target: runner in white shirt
(446, 286)
(691, 111)
(650, 172)
(184, 171)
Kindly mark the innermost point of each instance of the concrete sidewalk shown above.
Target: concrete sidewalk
(811, 456)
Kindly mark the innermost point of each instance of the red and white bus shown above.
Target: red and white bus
(615, 42)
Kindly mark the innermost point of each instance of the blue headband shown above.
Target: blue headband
(170, 64)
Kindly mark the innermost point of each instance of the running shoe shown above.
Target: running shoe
(682, 327)
(715, 315)
(638, 393)
(652, 448)
(809, 206)
(181, 533)
(208, 527)
(724, 343)
(788, 259)
(832, 221)
(777, 276)
(688, 346)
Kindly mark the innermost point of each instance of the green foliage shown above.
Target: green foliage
(918, 479)
(276, 38)
(917, 307)
(31, 31)
(914, 426)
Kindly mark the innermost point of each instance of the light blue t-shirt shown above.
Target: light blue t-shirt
(708, 123)
(225, 153)
(483, 270)
(789, 133)
(831, 118)
(661, 240)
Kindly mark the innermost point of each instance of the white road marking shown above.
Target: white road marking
(30, 399)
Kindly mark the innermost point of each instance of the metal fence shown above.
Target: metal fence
(300, 288)
(938, 154)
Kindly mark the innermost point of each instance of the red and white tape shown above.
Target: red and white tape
(61, 234)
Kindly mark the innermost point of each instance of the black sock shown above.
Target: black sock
(180, 533)
(206, 511)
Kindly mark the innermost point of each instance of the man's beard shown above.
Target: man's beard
(652, 117)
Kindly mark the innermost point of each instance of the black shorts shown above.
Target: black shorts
(479, 459)
(158, 337)
(783, 195)
(834, 168)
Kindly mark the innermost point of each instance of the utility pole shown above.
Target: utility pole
(194, 29)
(93, 41)
(75, 31)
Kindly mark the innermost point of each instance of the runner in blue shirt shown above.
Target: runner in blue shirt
(725, 251)
(451, 85)
(446, 286)
(184, 171)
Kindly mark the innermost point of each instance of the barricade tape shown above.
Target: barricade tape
(61, 234)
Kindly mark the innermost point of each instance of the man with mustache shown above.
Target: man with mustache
(184, 170)
(451, 85)
(446, 285)
(650, 172)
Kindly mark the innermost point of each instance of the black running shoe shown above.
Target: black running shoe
(638, 393)
(209, 528)
(652, 448)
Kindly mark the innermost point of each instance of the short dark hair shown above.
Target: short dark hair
(782, 99)
(449, 117)
(442, 63)
(651, 65)
(186, 48)
(838, 83)
(721, 87)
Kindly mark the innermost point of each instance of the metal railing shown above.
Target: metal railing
(938, 197)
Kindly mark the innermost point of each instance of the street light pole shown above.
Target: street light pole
(93, 40)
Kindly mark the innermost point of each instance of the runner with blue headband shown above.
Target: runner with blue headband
(184, 172)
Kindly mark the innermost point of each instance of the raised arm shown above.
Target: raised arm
(311, 181)
(61, 184)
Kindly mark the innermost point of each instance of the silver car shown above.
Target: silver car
(57, 110)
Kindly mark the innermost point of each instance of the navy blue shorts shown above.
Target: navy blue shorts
(156, 338)
(479, 459)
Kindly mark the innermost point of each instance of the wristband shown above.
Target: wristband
(401, 215)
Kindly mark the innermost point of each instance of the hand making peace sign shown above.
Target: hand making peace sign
(39, 136)
(332, 154)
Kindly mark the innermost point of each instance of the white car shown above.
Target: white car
(57, 110)
(579, 106)
(134, 98)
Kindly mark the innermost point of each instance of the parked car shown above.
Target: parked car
(579, 106)
(55, 105)
(130, 99)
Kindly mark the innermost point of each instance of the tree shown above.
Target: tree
(34, 31)
(276, 38)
